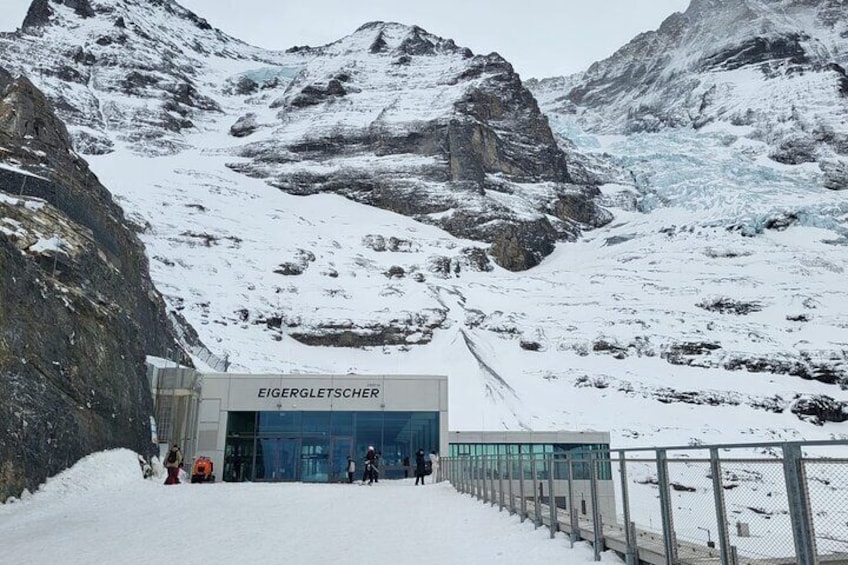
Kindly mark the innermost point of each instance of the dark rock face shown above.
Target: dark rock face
(759, 50)
(40, 11)
(488, 137)
(76, 318)
(835, 174)
(730, 306)
(38, 14)
(819, 409)
(398, 331)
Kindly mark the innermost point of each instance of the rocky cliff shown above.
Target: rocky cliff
(397, 118)
(78, 312)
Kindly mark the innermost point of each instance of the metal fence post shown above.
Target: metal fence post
(551, 498)
(463, 474)
(500, 484)
(631, 553)
(469, 476)
(799, 504)
(597, 521)
(720, 507)
(575, 524)
(487, 484)
(481, 483)
(534, 476)
(521, 491)
(669, 541)
(492, 481)
(511, 465)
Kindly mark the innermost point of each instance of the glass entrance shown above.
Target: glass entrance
(277, 459)
(315, 460)
(314, 446)
(341, 448)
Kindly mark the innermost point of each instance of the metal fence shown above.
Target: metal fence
(740, 504)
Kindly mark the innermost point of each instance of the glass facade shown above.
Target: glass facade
(575, 451)
(314, 446)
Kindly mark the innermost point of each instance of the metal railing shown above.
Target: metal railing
(734, 504)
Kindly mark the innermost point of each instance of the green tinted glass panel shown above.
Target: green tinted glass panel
(241, 423)
(280, 423)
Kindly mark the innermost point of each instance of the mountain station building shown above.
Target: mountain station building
(304, 427)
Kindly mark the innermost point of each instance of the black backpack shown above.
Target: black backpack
(172, 457)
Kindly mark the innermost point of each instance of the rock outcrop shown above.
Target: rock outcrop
(78, 312)
(465, 148)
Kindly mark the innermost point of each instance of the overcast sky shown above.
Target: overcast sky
(540, 38)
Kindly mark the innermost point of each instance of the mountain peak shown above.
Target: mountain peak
(396, 39)
(44, 12)
(40, 12)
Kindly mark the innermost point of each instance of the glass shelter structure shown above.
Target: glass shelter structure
(576, 446)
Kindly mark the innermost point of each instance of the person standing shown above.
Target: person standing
(419, 466)
(434, 465)
(351, 469)
(368, 472)
(173, 462)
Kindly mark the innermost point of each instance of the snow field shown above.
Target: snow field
(102, 511)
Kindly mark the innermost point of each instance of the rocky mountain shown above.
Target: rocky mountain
(774, 67)
(390, 116)
(78, 312)
(393, 203)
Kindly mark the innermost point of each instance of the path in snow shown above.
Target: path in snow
(101, 511)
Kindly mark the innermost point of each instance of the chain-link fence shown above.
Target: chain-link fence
(730, 504)
(827, 483)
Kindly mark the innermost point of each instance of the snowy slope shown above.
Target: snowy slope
(664, 326)
(776, 67)
(101, 511)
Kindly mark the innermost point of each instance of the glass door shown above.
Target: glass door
(341, 448)
(277, 459)
(315, 460)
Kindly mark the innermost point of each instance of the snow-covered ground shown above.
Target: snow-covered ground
(102, 511)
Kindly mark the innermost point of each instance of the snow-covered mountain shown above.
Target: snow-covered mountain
(390, 116)
(774, 67)
(366, 206)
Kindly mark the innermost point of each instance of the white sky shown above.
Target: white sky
(539, 37)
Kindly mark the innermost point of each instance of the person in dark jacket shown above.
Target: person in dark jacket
(173, 462)
(419, 466)
(368, 472)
